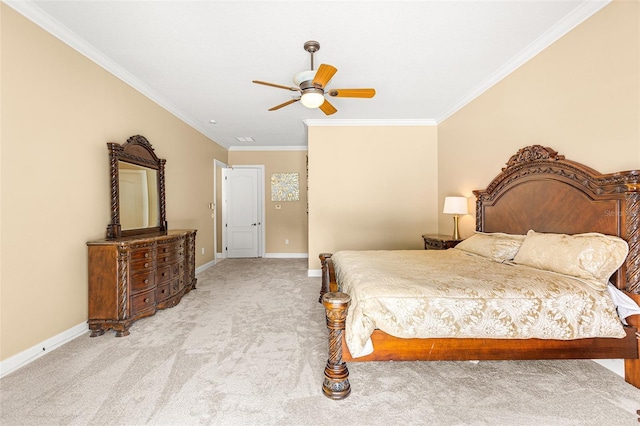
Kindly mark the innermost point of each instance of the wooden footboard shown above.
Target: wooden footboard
(389, 348)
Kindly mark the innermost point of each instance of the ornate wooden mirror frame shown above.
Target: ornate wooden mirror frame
(136, 151)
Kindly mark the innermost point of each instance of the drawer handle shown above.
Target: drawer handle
(146, 265)
(163, 290)
(166, 258)
(146, 255)
(166, 249)
(146, 281)
(146, 300)
(164, 274)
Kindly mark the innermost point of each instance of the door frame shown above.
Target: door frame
(261, 209)
(217, 209)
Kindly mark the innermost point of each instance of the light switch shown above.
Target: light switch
(278, 207)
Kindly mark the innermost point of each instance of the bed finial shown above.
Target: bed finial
(533, 153)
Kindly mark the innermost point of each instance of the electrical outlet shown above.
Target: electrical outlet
(202, 250)
(286, 241)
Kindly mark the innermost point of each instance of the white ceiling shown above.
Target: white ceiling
(426, 59)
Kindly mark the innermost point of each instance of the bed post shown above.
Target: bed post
(336, 376)
(324, 287)
(632, 366)
(632, 199)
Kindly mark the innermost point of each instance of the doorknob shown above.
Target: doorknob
(253, 224)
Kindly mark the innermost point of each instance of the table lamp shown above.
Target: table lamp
(455, 206)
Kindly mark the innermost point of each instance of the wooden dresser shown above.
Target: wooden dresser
(132, 277)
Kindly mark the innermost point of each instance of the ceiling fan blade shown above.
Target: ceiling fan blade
(296, 89)
(284, 104)
(352, 93)
(327, 108)
(323, 75)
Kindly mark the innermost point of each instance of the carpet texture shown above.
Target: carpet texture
(249, 346)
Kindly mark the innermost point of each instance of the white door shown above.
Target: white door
(240, 190)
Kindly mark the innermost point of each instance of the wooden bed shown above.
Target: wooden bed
(541, 190)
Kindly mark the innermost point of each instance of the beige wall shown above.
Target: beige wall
(371, 188)
(580, 96)
(59, 109)
(290, 221)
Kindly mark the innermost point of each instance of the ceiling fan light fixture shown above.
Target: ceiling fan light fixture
(312, 98)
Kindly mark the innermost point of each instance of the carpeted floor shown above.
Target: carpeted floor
(248, 347)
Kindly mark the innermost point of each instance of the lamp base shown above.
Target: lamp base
(456, 232)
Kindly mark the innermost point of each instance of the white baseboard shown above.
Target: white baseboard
(204, 267)
(615, 365)
(286, 255)
(220, 256)
(25, 357)
(314, 273)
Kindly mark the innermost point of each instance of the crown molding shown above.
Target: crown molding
(368, 122)
(581, 13)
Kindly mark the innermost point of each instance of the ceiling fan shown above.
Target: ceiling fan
(311, 86)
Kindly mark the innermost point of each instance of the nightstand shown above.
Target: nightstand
(439, 242)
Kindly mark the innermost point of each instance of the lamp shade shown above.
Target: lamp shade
(455, 205)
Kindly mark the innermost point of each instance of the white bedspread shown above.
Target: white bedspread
(451, 293)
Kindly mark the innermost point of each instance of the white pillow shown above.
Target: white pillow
(496, 246)
(591, 256)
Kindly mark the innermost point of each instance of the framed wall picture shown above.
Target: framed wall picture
(285, 187)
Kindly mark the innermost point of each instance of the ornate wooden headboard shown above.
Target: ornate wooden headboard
(541, 190)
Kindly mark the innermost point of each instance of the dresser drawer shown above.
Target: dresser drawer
(170, 247)
(434, 244)
(170, 257)
(143, 301)
(142, 254)
(164, 274)
(140, 282)
(142, 266)
(163, 291)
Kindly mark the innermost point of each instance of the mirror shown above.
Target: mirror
(137, 189)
